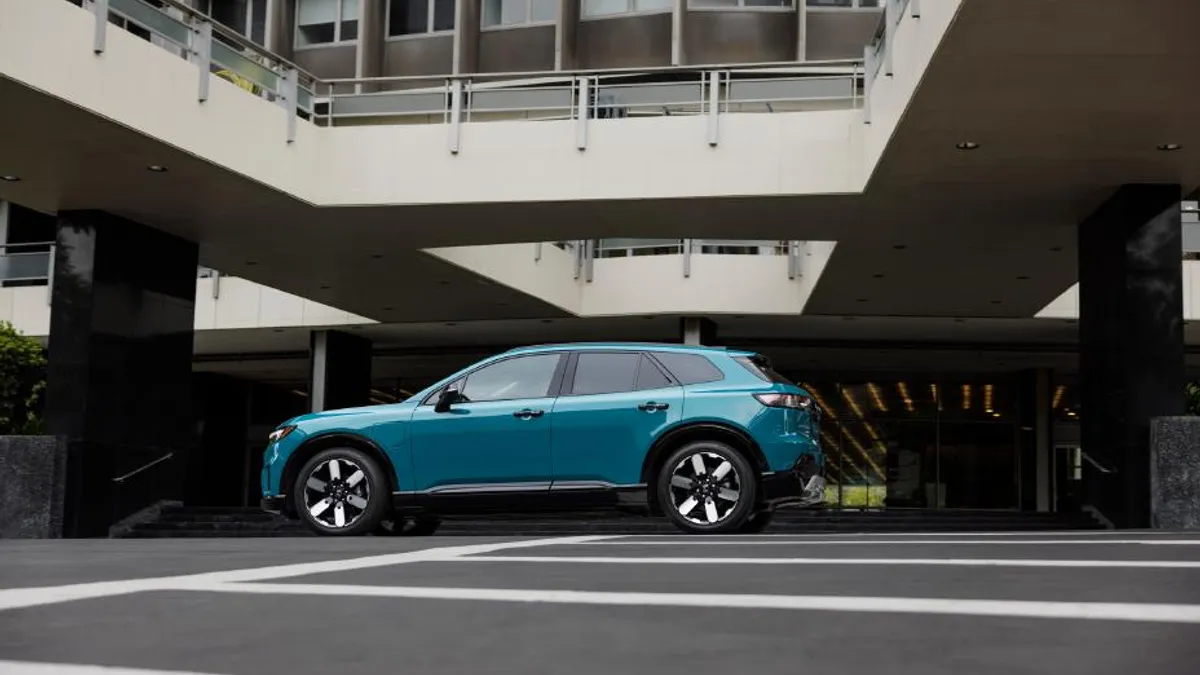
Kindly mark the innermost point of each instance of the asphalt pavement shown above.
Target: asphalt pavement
(927, 604)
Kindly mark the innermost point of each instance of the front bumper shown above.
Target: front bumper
(273, 504)
(802, 486)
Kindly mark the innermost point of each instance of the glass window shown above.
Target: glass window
(689, 368)
(839, 4)
(504, 12)
(258, 21)
(323, 21)
(614, 7)
(605, 373)
(741, 4)
(649, 375)
(515, 378)
(543, 10)
(413, 17)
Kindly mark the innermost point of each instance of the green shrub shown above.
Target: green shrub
(22, 382)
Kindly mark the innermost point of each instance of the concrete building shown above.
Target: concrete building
(961, 223)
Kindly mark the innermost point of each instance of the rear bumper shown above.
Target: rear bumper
(802, 486)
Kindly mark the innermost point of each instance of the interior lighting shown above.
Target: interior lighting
(987, 398)
(903, 389)
(1058, 396)
(966, 392)
(8, 178)
(876, 398)
(157, 168)
(967, 145)
(1169, 147)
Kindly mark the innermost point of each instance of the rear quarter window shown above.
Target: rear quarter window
(689, 368)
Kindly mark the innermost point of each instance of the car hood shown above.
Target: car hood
(328, 415)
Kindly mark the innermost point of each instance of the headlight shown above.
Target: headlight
(280, 433)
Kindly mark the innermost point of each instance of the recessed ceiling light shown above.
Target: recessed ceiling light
(877, 276)
(157, 168)
(960, 321)
(847, 318)
(10, 179)
(278, 330)
(995, 302)
(325, 288)
(967, 145)
(900, 247)
(451, 324)
(388, 309)
(861, 300)
(251, 263)
(377, 256)
(547, 320)
(1169, 147)
(1055, 249)
(1022, 278)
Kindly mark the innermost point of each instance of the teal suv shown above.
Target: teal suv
(713, 439)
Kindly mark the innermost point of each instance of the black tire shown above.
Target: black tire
(376, 495)
(741, 474)
(420, 526)
(758, 523)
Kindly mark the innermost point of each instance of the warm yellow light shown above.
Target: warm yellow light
(876, 398)
(903, 389)
(1058, 396)
(966, 393)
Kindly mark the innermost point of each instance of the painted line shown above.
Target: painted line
(688, 541)
(15, 598)
(938, 562)
(34, 668)
(1162, 613)
(948, 535)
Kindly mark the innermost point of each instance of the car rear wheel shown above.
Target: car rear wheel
(707, 487)
(341, 492)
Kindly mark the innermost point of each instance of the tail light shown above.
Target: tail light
(797, 401)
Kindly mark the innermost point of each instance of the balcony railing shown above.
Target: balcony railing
(581, 95)
(586, 251)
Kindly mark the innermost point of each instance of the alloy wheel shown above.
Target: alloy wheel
(705, 488)
(337, 493)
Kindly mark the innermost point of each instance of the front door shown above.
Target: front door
(496, 438)
(611, 409)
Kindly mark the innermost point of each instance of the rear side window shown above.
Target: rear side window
(761, 366)
(649, 376)
(605, 373)
(689, 368)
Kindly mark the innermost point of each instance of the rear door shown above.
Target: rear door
(612, 406)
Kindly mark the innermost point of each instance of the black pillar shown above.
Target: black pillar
(1130, 342)
(1035, 436)
(340, 370)
(119, 382)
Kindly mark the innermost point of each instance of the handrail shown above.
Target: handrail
(1095, 463)
(846, 67)
(237, 37)
(131, 474)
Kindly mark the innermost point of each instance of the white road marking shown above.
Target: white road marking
(14, 598)
(35, 668)
(689, 541)
(941, 562)
(1146, 612)
(948, 535)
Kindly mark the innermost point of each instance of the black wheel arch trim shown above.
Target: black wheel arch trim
(328, 439)
(668, 438)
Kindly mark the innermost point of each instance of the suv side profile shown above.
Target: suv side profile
(711, 438)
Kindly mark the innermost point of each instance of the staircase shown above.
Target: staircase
(244, 522)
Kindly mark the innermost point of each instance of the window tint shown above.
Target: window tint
(649, 376)
(689, 368)
(761, 366)
(519, 377)
(605, 373)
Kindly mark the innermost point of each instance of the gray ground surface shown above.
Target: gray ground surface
(241, 633)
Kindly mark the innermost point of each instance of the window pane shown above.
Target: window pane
(605, 7)
(232, 13)
(258, 21)
(443, 14)
(649, 376)
(520, 377)
(349, 20)
(723, 4)
(830, 3)
(652, 5)
(543, 10)
(605, 373)
(787, 4)
(406, 17)
(316, 20)
(503, 12)
(689, 368)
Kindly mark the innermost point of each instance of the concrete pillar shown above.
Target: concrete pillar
(120, 373)
(340, 373)
(1035, 435)
(678, 29)
(1130, 341)
(566, 35)
(698, 331)
(372, 30)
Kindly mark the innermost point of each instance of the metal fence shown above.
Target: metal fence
(586, 251)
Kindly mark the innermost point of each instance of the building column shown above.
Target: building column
(368, 54)
(1035, 436)
(1130, 342)
(566, 35)
(802, 31)
(467, 17)
(120, 368)
(679, 33)
(698, 331)
(340, 371)
(281, 27)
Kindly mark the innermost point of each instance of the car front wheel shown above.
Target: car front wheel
(341, 492)
(707, 487)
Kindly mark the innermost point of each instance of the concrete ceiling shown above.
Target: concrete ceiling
(1067, 99)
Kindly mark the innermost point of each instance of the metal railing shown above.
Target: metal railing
(582, 95)
(586, 251)
(32, 264)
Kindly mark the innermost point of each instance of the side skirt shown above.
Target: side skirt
(491, 499)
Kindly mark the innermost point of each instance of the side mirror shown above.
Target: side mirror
(447, 398)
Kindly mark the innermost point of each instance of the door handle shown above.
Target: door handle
(653, 407)
(528, 414)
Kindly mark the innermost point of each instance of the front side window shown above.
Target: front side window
(325, 21)
(515, 378)
(518, 12)
(416, 17)
(600, 8)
